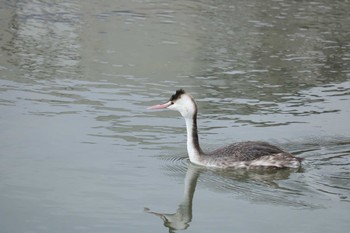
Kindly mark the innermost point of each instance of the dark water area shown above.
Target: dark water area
(79, 151)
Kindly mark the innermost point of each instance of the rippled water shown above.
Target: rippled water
(80, 152)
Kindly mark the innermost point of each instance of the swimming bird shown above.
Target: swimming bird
(250, 154)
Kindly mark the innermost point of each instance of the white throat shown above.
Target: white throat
(193, 148)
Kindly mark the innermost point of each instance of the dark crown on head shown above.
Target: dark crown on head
(177, 95)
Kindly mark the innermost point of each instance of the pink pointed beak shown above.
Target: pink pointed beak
(160, 106)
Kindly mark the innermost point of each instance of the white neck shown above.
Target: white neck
(193, 148)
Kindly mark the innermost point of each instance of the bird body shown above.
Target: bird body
(237, 155)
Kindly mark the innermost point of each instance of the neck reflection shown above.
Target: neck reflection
(183, 216)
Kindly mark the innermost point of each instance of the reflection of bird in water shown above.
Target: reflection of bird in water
(239, 181)
(238, 155)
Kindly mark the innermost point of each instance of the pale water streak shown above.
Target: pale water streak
(79, 151)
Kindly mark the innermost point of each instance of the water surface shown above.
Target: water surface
(80, 152)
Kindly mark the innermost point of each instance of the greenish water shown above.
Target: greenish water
(79, 151)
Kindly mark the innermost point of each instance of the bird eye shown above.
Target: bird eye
(172, 102)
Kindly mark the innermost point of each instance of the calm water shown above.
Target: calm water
(80, 152)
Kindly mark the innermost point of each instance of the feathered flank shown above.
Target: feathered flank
(177, 94)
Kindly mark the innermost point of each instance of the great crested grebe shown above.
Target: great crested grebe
(248, 154)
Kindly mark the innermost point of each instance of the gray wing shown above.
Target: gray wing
(245, 151)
